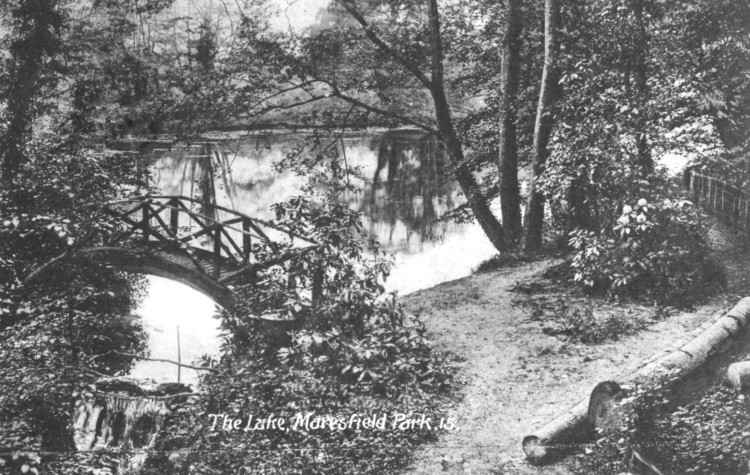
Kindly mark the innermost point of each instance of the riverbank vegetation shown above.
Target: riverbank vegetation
(562, 110)
(356, 354)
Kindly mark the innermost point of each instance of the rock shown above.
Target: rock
(738, 375)
(605, 412)
(452, 464)
(119, 385)
(122, 414)
(166, 389)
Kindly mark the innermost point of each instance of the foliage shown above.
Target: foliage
(353, 352)
(501, 261)
(59, 328)
(655, 251)
(57, 332)
(584, 325)
(570, 314)
(707, 435)
(107, 68)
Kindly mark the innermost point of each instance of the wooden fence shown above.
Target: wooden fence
(719, 198)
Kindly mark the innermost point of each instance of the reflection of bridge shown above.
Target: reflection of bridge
(171, 237)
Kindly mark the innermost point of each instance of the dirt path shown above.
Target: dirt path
(516, 377)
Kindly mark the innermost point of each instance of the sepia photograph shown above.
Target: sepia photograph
(375, 237)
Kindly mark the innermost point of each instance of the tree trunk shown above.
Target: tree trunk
(19, 127)
(32, 42)
(507, 146)
(548, 95)
(478, 203)
(645, 161)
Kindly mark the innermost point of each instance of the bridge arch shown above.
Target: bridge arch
(161, 263)
(171, 237)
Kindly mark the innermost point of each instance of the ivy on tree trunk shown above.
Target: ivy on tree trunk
(549, 93)
(510, 200)
(34, 40)
(645, 161)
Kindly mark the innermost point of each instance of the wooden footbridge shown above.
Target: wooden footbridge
(209, 248)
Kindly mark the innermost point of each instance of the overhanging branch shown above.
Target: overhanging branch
(382, 45)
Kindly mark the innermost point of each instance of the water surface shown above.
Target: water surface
(403, 186)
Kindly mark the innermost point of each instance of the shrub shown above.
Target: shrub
(353, 351)
(704, 437)
(586, 326)
(580, 321)
(655, 251)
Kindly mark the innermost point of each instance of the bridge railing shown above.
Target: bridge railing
(227, 234)
(722, 199)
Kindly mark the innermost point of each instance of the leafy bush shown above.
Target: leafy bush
(587, 327)
(56, 333)
(577, 319)
(655, 251)
(352, 351)
(704, 437)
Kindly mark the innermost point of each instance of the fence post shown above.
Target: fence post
(736, 210)
(691, 183)
(713, 185)
(707, 192)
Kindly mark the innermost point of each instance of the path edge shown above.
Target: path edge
(575, 425)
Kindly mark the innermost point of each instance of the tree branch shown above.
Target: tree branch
(336, 93)
(157, 398)
(280, 92)
(39, 270)
(157, 360)
(437, 44)
(376, 110)
(370, 33)
(71, 250)
(89, 370)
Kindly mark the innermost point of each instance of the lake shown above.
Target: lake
(402, 184)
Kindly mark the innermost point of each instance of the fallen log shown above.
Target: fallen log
(578, 424)
(552, 439)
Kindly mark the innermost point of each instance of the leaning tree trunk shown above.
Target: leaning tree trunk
(477, 201)
(510, 200)
(548, 95)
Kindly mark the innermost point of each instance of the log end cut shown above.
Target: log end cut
(535, 451)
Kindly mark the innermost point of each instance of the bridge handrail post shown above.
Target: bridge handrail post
(145, 223)
(174, 216)
(317, 287)
(217, 248)
(246, 240)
